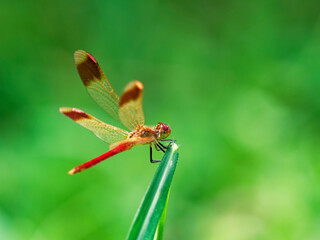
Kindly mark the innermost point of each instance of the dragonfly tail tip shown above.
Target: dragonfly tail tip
(76, 170)
(72, 171)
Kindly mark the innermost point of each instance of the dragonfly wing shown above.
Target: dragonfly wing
(106, 132)
(130, 106)
(97, 84)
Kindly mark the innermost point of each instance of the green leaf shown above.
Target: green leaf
(159, 232)
(154, 202)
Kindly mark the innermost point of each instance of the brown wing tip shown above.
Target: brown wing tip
(80, 56)
(65, 109)
(134, 85)
(132, 92)
(139, 85)
(74, 113)
(87, 66)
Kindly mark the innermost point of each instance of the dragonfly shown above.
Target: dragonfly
(126, 110)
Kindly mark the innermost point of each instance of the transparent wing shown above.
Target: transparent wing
(106, 132)
(130, 106)
(97, 83)
(127, 110)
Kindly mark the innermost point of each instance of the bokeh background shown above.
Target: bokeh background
(237, 81)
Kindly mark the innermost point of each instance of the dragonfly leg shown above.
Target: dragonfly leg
(158, 147)
(168, 140)
(161, 147)
(151, 160)
(165, 147)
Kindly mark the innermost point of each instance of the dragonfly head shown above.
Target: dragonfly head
(163, 130)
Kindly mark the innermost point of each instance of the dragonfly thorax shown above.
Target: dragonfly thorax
(142, 132)
(160, 131)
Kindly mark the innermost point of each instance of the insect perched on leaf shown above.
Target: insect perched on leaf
(126, 109)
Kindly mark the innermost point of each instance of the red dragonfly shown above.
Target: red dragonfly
(126, 109)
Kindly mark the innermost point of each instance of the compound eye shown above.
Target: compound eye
(164, 131)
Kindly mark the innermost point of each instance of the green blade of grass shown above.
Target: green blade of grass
(148, 215)
(159, 231)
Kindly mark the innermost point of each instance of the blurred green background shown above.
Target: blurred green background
(237, 81)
